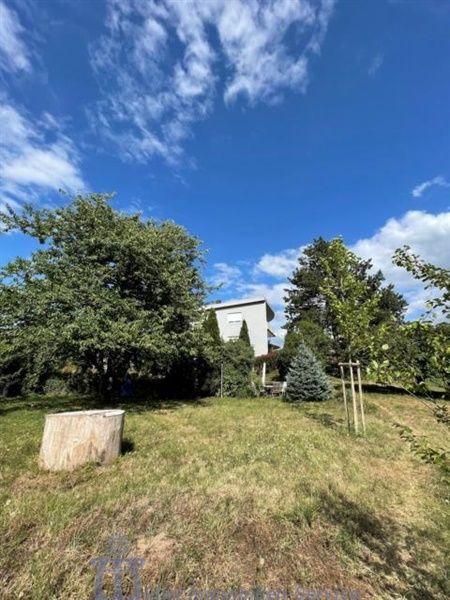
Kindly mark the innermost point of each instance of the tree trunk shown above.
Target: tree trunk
(72, 439)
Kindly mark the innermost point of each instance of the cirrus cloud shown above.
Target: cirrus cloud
(158, 67)
(225, 275)
(419, 189)
(14, 54)
(35, 156)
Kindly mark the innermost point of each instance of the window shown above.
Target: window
(234, 317)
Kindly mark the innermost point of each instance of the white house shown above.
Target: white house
(255, 311)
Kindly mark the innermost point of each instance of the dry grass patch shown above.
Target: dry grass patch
(231, 493)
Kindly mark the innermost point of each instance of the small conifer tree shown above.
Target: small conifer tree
(238, 358)
(209, 359)
(243, 334)
(306, 378)
(211, 326)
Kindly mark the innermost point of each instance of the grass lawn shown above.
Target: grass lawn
(230, 493)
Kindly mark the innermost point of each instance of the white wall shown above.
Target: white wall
(256, 317)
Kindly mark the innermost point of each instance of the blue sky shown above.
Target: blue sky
(257, 125)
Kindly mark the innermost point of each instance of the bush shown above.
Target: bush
(306, 378)
(56, 386)
(271, 360)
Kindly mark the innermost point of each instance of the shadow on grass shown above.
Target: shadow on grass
(127, 446)
(325, 419)
(57, 404)
(391, 551)
(37, 402)
(378, 388)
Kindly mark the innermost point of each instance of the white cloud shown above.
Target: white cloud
(375, 64)
(153, 94)
(252, 35)
(273, 293)
(279, 265)
(35, 157)
(427, 234)
(439, 180)
(14, 55)
(225, 275)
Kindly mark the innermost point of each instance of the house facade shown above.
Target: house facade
(257, 314)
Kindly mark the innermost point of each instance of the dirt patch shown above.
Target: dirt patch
(157, 551)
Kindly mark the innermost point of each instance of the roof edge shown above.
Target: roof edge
(243, 301)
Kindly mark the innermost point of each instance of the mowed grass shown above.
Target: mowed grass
(228, 494)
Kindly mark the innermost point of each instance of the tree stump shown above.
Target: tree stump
(71, 439)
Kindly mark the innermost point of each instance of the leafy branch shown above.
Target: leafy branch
(420, 446)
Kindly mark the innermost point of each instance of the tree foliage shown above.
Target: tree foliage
(238, 357)
(330, 278)
(432, 276)
(413, 352)
(352, 305)
(306, 378)
(305, 297)
(243, 334)
(270, 360)
(106, 291)
(310, 333)
(211, 327)
(205, 373)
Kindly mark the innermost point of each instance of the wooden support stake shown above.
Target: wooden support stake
(355, 411)
(361, 403)
(344, 393)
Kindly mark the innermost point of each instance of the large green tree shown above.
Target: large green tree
(308, 299)
(105, 291)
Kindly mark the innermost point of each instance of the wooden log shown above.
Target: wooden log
(71, 439)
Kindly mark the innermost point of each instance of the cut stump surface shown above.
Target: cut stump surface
(71, 439)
